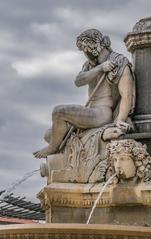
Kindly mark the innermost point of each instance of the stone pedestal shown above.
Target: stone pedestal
(72, 203)
(138, 42)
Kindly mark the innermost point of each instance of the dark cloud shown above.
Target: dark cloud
(38, 64)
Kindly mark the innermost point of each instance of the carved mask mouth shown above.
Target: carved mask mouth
(120, 173)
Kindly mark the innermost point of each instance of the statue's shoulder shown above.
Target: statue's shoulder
(121, 62)
(119, 59)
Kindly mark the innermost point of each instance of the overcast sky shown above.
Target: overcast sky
(38, 65)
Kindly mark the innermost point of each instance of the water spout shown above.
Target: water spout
(100, 194)
(17, 183)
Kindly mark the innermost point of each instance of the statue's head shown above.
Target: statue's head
(124, 165)
(91, 42)
(129, 159)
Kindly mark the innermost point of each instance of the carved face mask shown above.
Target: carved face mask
(124, 166)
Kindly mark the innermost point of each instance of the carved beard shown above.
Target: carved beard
(91, 49)
(91, 57)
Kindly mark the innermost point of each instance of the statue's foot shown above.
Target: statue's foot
(43, 153)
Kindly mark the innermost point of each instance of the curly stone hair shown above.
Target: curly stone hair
(93, 41)
(137, 150)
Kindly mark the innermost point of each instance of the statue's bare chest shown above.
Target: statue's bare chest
(103, 91)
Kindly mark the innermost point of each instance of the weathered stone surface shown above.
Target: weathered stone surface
(106, 73)
(74, 231)
(128, 199)
(142, 61)
(129, 160)
(140, 37)
(65, 202)
(116, 215)
(138, 42)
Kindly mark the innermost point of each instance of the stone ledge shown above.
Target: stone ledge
(84, 195)
(71, 195)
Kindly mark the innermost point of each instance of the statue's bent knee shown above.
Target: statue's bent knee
(58, 111)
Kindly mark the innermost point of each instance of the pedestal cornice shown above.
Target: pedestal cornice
(140, 37)
(84, 195)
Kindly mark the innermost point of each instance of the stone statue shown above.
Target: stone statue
(100, 142)
(112, 102)
(130, 160)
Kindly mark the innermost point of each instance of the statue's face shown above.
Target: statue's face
(90, 48)
(124, 165)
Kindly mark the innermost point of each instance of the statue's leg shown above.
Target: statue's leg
(54, 137)
(83, 117)
(80, 117)
(47, 135)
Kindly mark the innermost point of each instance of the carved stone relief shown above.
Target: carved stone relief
(130, 160)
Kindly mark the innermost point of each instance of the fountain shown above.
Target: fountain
(99, 176)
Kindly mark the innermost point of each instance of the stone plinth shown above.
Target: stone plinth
(138, 42)
(72, 203)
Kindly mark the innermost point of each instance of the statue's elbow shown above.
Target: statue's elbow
(78, 81)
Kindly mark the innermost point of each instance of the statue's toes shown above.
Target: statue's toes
(37, 154)
(43, 155)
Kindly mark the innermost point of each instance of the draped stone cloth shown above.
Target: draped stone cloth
(113, 77)
(84, 151)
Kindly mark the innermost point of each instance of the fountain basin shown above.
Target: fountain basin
(74, 231)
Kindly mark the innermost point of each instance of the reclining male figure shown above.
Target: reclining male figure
(115, 93)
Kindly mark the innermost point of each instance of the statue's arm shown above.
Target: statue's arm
(125, 87)
(87, 76)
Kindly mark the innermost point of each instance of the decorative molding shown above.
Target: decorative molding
(70, 236)
(146, 118)
(137, 136)
(74, 231)
(77, 199)
(142, 117)
(135, 41)
(140, 36)
(53, 197)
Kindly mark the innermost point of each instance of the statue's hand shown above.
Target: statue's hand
(112, 133)
(125, 127)
(116, 131)
(108, 65)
